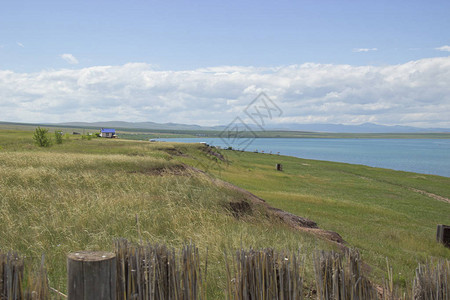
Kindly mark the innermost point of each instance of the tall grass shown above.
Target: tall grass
(84, 194)
(56, 203)
(373, 209)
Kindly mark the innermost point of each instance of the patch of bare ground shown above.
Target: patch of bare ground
(174, 170)
(298, 223)
(211, 151)
(174, 152)
(431, 195)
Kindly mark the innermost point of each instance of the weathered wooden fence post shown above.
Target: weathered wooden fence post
(443, 235)
(91, 275)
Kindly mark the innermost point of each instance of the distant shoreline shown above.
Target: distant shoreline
(424, 156)
(145, 134)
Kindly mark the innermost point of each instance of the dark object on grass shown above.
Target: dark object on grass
(279, 167)
(443, 235)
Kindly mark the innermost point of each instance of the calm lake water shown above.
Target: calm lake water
(427, 156)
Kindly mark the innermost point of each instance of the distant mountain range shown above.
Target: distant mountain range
(362, 128)
(331, 128)
(138, 125)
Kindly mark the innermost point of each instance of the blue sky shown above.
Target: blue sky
(68, 38)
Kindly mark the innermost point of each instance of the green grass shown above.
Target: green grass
(373, 209)
(83, 194)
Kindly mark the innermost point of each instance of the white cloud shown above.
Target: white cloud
(443, 48)
(416, 93)
(20, 45)
(364, 49)
(69, 58)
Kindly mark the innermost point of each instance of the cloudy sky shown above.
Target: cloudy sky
(349, 62)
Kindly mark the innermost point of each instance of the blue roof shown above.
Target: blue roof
(106, 130)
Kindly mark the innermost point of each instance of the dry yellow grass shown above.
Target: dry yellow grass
(57, 201)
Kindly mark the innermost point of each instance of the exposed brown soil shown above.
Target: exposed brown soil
(296, 222)
(175, 170)
(239, 209)
(174, 152)
(244, 207)
(299, 223)
(212, 152)
(434, 196)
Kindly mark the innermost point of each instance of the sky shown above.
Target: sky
(203, 62)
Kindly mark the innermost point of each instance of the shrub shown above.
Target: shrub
(58, 137)
(41, 137)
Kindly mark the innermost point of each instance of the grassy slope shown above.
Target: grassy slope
(82, 194)
(373, 209)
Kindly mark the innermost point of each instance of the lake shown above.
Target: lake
(427, 156)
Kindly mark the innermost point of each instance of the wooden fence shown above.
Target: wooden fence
(137, 271)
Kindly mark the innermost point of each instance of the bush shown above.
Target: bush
(58, 137)
(41, 137)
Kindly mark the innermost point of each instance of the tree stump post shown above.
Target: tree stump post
(91, 275)
(443, 235)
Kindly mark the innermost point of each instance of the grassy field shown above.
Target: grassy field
(382, 212)
(83, 194)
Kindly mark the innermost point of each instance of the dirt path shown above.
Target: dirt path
(431, 195)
